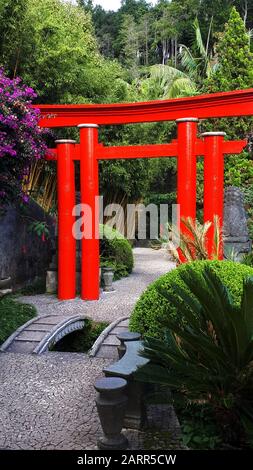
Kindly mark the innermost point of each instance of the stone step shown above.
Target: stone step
(22, 346)
(52, 320)
(30, 336)
(111, 340)
(124, 323)
(39, 327)
(107, 352)
(118, 329)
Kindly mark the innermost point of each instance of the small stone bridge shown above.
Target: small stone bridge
(41, 333)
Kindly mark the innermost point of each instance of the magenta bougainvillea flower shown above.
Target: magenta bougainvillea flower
(21, 139)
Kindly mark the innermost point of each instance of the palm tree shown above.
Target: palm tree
(165, 82)
(206, 63)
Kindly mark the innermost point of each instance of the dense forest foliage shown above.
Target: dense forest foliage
(80, 53)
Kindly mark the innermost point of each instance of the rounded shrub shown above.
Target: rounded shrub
(115, 251)
(152, 307)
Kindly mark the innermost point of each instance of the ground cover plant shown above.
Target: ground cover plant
(13, 314)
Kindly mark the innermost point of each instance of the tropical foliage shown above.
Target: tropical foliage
(207, 353)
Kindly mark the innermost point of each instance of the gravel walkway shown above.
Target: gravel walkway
(47, 401)
(149, 265)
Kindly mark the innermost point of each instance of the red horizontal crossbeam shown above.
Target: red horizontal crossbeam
(234, 147)
(137, 151)
(123, 152)
(232, 103)
(148, 151)
(228, 147)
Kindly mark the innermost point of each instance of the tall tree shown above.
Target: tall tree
(234, 72)
(129, 41)
(235, 60)
(136, 8)
(144, 38)
(13, 45)
(198, 61)
(86, 4)
(107, 24)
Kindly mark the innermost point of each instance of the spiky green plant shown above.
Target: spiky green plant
(207, 354)
(248, 259)
(193, 240)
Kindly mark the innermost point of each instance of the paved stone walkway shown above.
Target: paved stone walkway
(57, 318)
(48, 401)
(149, 265)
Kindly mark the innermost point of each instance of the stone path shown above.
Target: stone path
(149, 265)
(47, 401)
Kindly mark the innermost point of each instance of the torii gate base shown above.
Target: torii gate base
(187, 147)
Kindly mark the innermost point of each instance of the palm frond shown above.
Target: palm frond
(188, 62)
(182, 86)
(199, 40)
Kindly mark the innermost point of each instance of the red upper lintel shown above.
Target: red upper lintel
(215, 105)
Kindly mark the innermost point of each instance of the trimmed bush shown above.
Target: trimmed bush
(116, 251)
(151, 308)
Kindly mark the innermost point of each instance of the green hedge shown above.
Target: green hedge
(116, 251)
(13, 314)
(151, 308)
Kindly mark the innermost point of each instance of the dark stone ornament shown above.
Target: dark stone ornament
(111, 405)
(126, 336)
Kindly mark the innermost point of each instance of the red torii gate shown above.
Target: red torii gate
(186, 148)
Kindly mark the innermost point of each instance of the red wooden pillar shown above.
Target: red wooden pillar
(89, 192)
(66, 202)
(186, 168)
(213, 184)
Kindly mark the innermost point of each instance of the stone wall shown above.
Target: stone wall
(23, 254)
